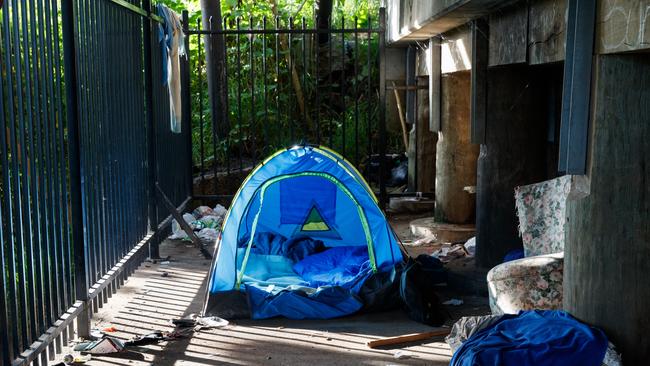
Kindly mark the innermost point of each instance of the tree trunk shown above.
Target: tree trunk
(215, 61)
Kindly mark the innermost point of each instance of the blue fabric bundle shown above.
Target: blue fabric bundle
(536, 337)
(296, 303)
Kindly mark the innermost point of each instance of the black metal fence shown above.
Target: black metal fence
(85, 135)
(287, 81)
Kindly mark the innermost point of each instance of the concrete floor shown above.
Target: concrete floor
(149, 300)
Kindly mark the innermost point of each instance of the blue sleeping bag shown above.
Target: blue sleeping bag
(537, 337)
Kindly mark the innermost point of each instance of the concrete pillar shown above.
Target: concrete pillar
(455, 155)
(514, 154)
(607, 254)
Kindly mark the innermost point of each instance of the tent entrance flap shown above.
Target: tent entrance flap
(316, 216)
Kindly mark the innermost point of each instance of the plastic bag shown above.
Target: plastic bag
(177, 231)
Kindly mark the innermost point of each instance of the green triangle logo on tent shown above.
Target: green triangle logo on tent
(315, 221)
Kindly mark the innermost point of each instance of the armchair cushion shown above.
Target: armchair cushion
(541, 209)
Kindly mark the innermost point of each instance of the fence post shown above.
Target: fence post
(382, 107)
(152, 165)
(186, 102)
(72, 115)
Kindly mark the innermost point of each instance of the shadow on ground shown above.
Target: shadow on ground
(157, 293)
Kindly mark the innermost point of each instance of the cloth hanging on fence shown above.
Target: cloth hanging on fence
(170, 37)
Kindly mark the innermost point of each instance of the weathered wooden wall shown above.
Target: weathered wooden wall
(622, 26)
(607, 256)
(455, 156)
(546, 31)
(514, 153)
(508, 35)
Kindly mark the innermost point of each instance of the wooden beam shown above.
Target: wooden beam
(508, 36)
(480, 36)
(546, 31)
(623, 26)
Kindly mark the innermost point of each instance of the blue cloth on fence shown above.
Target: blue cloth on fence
(302, 303)
(536, 337)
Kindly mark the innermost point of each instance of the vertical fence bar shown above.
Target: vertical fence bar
(227, 106)
(199, 72)
(316, 38)
(152, 212)
(239, 107)
(304, 78)
(12, 181)
(251, 41)
(382, 108)
(290, 80)
(330, 120)
(6, 343)
(368, 102)
(29, 186)
(342, 86)
(187, 103)
(81, 279)
(277, 86)
(266, 91)
(356, 92)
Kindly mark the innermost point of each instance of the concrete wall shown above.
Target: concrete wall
(411, 20)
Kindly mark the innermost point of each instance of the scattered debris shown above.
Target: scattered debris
(204, 220)
(449, 252)
(104, 345)
(151, 338)
(466, 326)
(209, 322)
(199, 323)
(430, 239)
(454, 302)
(165, 274)
(71, 360)
(401, 355)
(470, 246)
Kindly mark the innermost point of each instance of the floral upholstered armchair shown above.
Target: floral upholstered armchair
(535, 281)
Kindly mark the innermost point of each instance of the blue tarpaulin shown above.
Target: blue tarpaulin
(537, 337)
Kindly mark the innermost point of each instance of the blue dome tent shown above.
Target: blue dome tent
(301, 237)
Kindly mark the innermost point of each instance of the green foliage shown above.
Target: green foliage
(263, 108)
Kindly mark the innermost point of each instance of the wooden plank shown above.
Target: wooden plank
(390, 341)
(479, 90)
(546, 31)
(606, 262)
(623, 25)
(508, 35)
(456, 50)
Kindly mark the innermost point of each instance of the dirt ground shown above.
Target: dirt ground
(157, 293)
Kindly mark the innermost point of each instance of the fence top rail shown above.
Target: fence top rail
(281, 31)
(136, 9)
